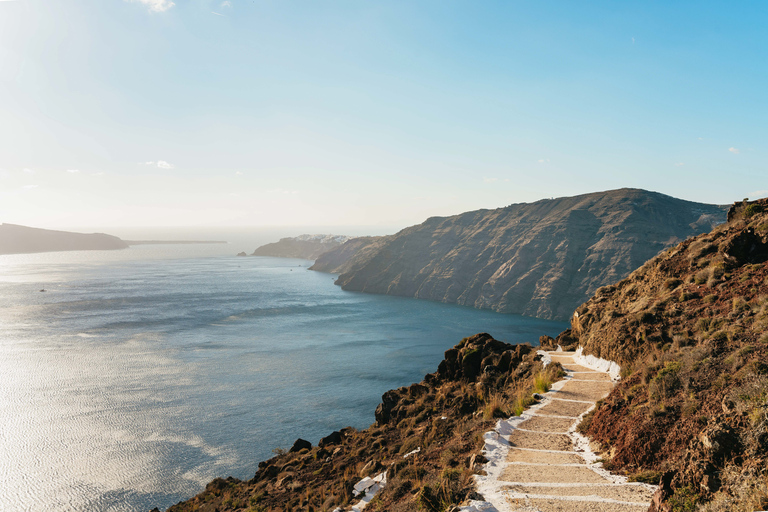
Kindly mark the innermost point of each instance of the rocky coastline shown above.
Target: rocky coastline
(686, 333)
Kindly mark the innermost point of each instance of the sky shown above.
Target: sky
(366, 112)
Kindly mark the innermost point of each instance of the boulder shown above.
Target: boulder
(299, 445)
(332, 438)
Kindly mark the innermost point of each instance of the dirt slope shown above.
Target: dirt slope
(690, 329)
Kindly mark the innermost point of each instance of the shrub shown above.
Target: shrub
(666, 381)
(684, 500)
(751, 210)
(646, 477)
(702, 276)
(739, 304)
(702, 324)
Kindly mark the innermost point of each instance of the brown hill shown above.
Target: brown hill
(540, 259)
(690, 329)
(15, 239)
(307, 247)
(335, 260)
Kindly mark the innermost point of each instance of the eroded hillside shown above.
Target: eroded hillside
(540, 259)
(690, 329)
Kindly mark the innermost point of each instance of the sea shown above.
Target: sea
(129, 379)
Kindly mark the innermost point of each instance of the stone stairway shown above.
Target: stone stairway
(537, 462)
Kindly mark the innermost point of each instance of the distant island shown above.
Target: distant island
(15, 239)
(308, 247)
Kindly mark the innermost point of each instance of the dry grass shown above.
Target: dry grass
(496, 406)
(542, 382)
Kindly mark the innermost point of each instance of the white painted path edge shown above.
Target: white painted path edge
(541, 491)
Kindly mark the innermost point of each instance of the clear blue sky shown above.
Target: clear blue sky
(251, 112)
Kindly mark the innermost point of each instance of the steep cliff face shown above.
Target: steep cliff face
(334, 261)
(540, 259)
(307, 247)
(690, 329)
(15, 239)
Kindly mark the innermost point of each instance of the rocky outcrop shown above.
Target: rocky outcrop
(540, 259)
(307, 247)
(15, 239)
(478, 358)
(425, 443)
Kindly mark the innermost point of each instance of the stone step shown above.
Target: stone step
(570, 366)
(585, 391)
(555, 505)
(563, 408)
(636, 493)
(550, 474)
(545, 424)
(591, 376)
(540, 441)
(542, 457)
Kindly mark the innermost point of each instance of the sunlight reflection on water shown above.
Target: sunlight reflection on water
(135, 379)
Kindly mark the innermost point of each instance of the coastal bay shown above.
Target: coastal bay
(140, 375)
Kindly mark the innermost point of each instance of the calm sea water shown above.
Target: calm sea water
(140, 375)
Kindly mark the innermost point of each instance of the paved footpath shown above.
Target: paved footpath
(537, 462)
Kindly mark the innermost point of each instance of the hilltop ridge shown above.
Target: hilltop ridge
(540, 259)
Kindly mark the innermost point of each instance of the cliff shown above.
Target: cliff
(334, 261)
(15, 239)
(689, 329)
(539, 259)
(307, 247)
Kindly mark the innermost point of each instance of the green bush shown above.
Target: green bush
(684, 500)
(751, 210)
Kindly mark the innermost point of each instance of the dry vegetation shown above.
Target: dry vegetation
(689, 328)
(444, 416)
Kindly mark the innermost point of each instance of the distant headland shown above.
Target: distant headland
(16, 239)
